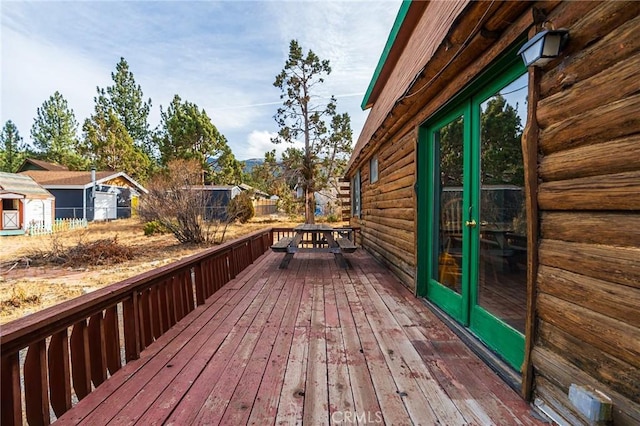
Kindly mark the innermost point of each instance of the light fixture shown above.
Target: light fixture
(543, 47)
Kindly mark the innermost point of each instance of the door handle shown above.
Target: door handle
(470, 223)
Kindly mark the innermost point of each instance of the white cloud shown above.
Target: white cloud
(259, 142)
(221, 55)
(38, 70)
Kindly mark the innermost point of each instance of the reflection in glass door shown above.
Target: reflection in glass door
(448, 286)
(449, 142)
(502, 286)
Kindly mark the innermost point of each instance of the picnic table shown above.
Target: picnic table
(316, 238)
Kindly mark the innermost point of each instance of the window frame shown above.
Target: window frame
(356, 195)
(373, 178)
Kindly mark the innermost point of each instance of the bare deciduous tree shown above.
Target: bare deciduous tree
(176, 200)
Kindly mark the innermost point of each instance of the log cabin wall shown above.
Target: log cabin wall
(588, 280)
(387, 216)
(584, 319)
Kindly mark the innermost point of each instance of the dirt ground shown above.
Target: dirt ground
(25, 288)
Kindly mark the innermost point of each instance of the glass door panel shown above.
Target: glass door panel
(450, 147)
(502, 275)
(447, 283)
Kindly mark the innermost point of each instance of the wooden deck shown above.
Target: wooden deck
(313, 343)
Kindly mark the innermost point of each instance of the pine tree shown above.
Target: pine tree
(125, 97)
(12, 148)
(303, 117)
(110, 146)
(186, 132)
(501, 149)
(54, 133)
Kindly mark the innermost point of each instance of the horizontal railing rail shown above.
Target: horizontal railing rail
(57, 356)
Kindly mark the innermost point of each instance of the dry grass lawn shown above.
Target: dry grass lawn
(26, 287)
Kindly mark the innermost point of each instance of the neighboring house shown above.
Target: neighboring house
(217, 199)
(257, 194)
(508, 198)
(33, 164)
(91, 195)
(24, 203)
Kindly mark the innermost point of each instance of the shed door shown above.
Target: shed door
(105, 205)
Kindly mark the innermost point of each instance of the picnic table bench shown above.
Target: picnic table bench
(320, 239)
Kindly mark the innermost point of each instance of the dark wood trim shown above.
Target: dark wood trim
(530, 158)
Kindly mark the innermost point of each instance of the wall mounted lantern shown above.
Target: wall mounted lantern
(544, 47)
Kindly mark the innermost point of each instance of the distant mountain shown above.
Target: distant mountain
(251, 163)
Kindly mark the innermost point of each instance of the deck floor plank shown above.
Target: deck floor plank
(312, 344)
(215, 358)
(446, 409)
(242, 401)
(265, 406)
(387, 335)
(166, 388)
(362, 367)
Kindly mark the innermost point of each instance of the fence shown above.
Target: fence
(75, 346)
(97, 213)
(265, 207)
(39, 228)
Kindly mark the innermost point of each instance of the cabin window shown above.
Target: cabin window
(373, 169)
(355, 194)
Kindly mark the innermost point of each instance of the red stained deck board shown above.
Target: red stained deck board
(241, 403)
(386, 388)
(265, 406)
(417, 405)
(312, 343)
(214, 359)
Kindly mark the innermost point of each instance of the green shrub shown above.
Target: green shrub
(154, 227)
(241, 208)
(332, 218)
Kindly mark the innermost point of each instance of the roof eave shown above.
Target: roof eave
(382, 70)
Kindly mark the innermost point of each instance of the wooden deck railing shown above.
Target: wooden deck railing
(55, 357)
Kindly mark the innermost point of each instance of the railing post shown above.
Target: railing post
(112, 338)
(36, 384)
(11, 401)
(80, 359)
(59, 373)
(97, 349)
(199, 283)
(131, 328)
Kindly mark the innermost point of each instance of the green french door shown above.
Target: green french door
(472, 259)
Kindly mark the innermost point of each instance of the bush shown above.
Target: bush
(155, 227)
(241, 208)
(332, 218)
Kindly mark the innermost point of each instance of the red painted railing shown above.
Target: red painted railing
(55, 357)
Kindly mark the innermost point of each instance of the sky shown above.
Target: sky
(221, 55)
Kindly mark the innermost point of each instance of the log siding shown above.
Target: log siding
(582, 155)
(387, 217)
(588, 281)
